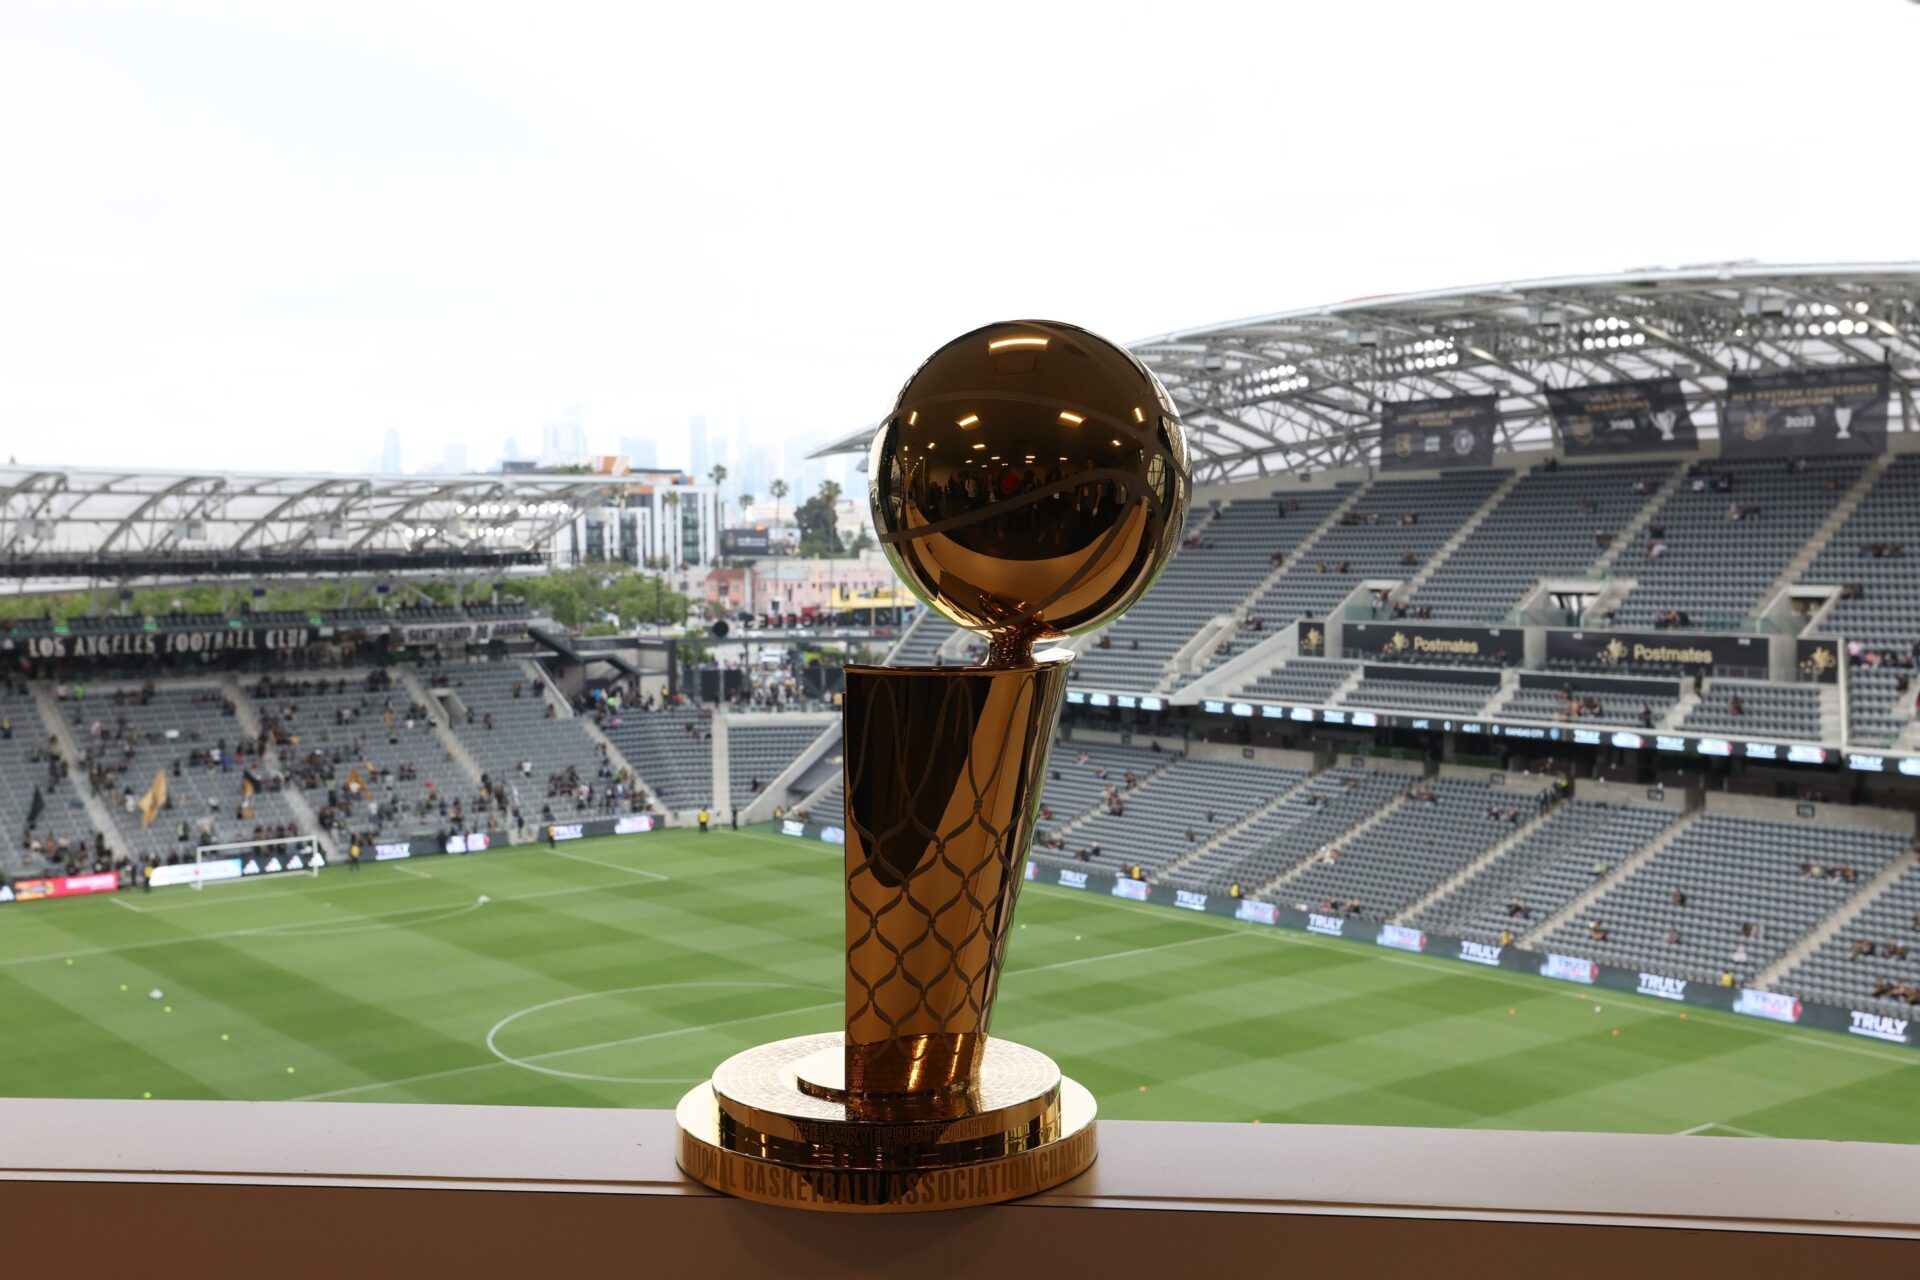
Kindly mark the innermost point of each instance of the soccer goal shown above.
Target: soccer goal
(246, 859)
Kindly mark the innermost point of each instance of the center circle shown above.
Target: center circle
(531, 1063)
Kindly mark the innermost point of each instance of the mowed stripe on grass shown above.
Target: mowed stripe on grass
(611, 975)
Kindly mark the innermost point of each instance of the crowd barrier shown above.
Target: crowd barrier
(1773, 1006)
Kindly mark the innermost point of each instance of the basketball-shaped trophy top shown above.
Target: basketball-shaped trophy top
(1030, 482)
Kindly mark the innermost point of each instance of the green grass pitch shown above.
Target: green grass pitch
(618, 972)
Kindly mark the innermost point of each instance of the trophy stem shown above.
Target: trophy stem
(944, 770)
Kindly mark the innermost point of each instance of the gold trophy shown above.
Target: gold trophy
(1028, 485)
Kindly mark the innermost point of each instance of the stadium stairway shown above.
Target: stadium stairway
(1179, 865)
(1266, 891)
(1519, 836)
(443, 729)
(1626, 867)
(1813, 546)
(1679, 711)
(620, 761)
(1630, 532)
(775, 794)
(1433, 563)
(247, 716)
(1836, 920)
(1202, 651)
(1094, 810)
(57, 727)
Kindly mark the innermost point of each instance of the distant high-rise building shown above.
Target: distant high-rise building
(390, 452)
(698, 458)
(511, 450)
(564, 443)
(642, 451)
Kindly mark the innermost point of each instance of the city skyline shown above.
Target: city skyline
(265, 237)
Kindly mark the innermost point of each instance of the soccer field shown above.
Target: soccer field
(618, 972)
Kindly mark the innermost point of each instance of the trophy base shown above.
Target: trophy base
(775, 1125)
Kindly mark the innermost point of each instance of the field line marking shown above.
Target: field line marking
(500, 1060)
(257, 931)
(1718, 1124)
(116, 901)
(612, 866)
(415, 872)
(1642, 1005)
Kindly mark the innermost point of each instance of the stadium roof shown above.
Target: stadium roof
(84, 523)
(1302, 389)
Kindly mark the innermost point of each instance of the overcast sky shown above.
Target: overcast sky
(259, 234)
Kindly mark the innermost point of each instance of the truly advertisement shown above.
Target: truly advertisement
(1071, 879)
(1878, 1026)
(1661, 987)
(1570, 969)
(1331, 926)
(1453, 431)
(1623, 417)
(1486, 953)
(1813, 413)
(1401, 938)
(1775, 1005)
(1188, 900)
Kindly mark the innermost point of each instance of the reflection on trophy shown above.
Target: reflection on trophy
(1664, 421)
(1029, 484)
(1843, 419)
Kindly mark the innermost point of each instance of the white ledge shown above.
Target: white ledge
(432, 1164)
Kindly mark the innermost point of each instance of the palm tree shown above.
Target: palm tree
(779, 490)
(745, 500)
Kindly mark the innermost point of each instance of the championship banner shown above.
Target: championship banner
(1456, 431)
(1623, 417)
(1410, 642)
(1679, 652)
(1813, 413)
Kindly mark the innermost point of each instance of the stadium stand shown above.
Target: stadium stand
(1437, 828)
(1165, 814)
(368, 758)
(1556, 516)
(30, 765)
(1391, 528)
(1873, 962)
(522, 739)
(1757, 709)
(1223, 557)
(1284, 835)
(757, 750)
(1729, 894)
(1593, 702)
(1716, 568)
(1416, 695)
(1309, 680)
(671, 749)
(1546, 867)
(220, 789)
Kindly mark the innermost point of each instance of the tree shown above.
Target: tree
(779, 490)
(745, 500)
(819, 534)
